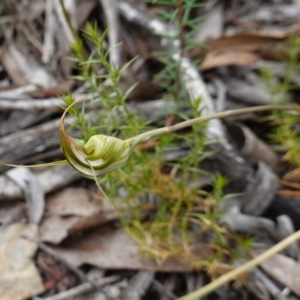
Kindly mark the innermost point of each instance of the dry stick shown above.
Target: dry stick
(112, 20)
(51, 104)
(242, 269)
(270, 286)
(58, 258)
(48, 44)
(82, 288)
(73, 36)
(162, 289)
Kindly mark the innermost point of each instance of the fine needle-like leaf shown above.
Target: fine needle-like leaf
(50, 164)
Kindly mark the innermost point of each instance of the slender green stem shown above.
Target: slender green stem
(242, 269)
(220, 115)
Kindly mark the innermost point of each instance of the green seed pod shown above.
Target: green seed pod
(100, 155)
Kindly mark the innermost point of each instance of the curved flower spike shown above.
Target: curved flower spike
(100, 155)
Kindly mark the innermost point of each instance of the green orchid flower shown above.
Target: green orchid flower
(100, 155)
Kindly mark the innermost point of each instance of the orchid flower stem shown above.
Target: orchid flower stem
(200, 293)
(220, 115)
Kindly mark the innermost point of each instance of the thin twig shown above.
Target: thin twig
(112, 20)
(162, 289)
(242, 269)
(67, 24)
(58, 258)
(48, 44)
(50, 104)
(82, 288)
(271, 287)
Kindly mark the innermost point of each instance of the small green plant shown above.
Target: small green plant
(159, 208)
(144, 175)
(179, 213)
(104, 82)
(178, 14)
(164, 227)
(284, 134)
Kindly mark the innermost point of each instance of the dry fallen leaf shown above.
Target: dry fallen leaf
(244, 41)
(239, 49)
(19, 277)
(73, 210)
(109, 248)
(215, 59)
